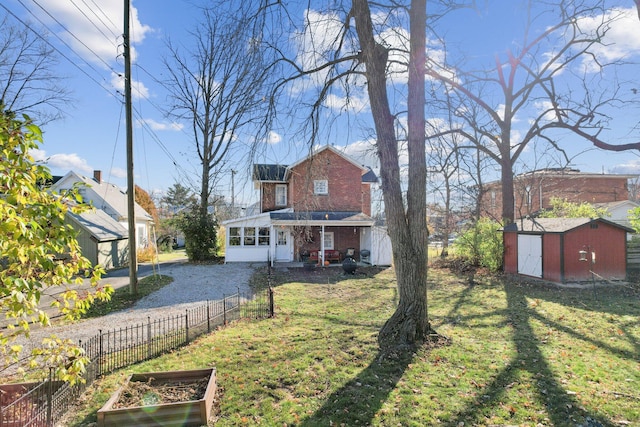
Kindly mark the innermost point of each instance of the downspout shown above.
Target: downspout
(261, 195)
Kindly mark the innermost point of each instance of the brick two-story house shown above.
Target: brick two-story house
(317, 208)
(533, 191)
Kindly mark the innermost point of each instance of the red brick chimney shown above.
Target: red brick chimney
(97, 175)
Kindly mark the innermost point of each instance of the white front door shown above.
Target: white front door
(283, 245)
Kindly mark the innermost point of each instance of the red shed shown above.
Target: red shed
(551, 248)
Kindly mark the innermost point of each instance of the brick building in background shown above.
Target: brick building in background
(533, 191)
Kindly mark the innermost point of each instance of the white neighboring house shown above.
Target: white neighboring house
(110, 199)
(619, 212)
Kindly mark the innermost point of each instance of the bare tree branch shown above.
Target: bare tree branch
(28, 83)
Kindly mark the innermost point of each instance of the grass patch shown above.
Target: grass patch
(123, 299)
(173, 255)
(521, 354)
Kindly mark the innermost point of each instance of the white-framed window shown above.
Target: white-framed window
(282, 237)
(263, 236)
(320, 186)
(328, 240)
(142, 236)
(234, 236)
(281, 195)
(249, 236)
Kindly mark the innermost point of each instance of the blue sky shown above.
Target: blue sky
(92, 137)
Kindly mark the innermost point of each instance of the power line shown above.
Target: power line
(97, 6)
(72, 35)
(93, 10)
(94, 24)
(74, 63)
(104, 85)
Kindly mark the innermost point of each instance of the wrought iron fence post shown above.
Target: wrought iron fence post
(208, 317)
(224, 309)
(238, 302)
(186, 323)
(149, 337)
(100, 349)
(271, 305)
(50, 397)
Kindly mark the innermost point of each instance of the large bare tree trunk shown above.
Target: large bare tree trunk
(409, 325)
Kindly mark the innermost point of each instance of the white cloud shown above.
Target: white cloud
(118, 172)
(95, 33)
(355, 103)
(159, 126)
(623, 37)
(545, 107)
(138, 89)
(363, 152)
(274, 138)
(629, 167)
(318, 39)
(62, 161)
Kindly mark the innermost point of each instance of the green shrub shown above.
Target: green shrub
(634, 218)
(200, 235)
(482, 245)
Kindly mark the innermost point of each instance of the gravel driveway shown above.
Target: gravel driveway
(192, 285)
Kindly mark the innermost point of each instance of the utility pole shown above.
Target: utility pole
(131, 211)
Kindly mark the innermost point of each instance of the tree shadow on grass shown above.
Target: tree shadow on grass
(357, 401)
(561, 407)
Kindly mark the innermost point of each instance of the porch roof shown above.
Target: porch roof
(319, 218)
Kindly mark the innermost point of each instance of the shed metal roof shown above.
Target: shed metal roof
(100, 225)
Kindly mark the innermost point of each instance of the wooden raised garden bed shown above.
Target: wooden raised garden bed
(142, 400)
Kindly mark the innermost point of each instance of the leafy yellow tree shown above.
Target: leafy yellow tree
(37, 250)
(564, 208)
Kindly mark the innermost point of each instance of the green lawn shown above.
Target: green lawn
(519, 354)
(173, 255)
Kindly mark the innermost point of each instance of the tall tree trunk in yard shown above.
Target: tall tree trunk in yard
(409, 325)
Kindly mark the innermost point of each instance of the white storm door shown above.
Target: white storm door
(283, 245)
(530, 255)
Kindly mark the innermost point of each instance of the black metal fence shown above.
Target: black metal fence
(44, 403)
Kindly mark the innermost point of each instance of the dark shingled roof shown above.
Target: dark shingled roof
(318, 216)
(369, 176)
(263, 172)
(557, 225)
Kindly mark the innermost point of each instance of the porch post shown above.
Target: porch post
(321, 254)
(273, 243)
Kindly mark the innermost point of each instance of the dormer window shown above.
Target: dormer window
(281, 195)
(320, 186)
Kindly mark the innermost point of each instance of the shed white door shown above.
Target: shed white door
(530, 255)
